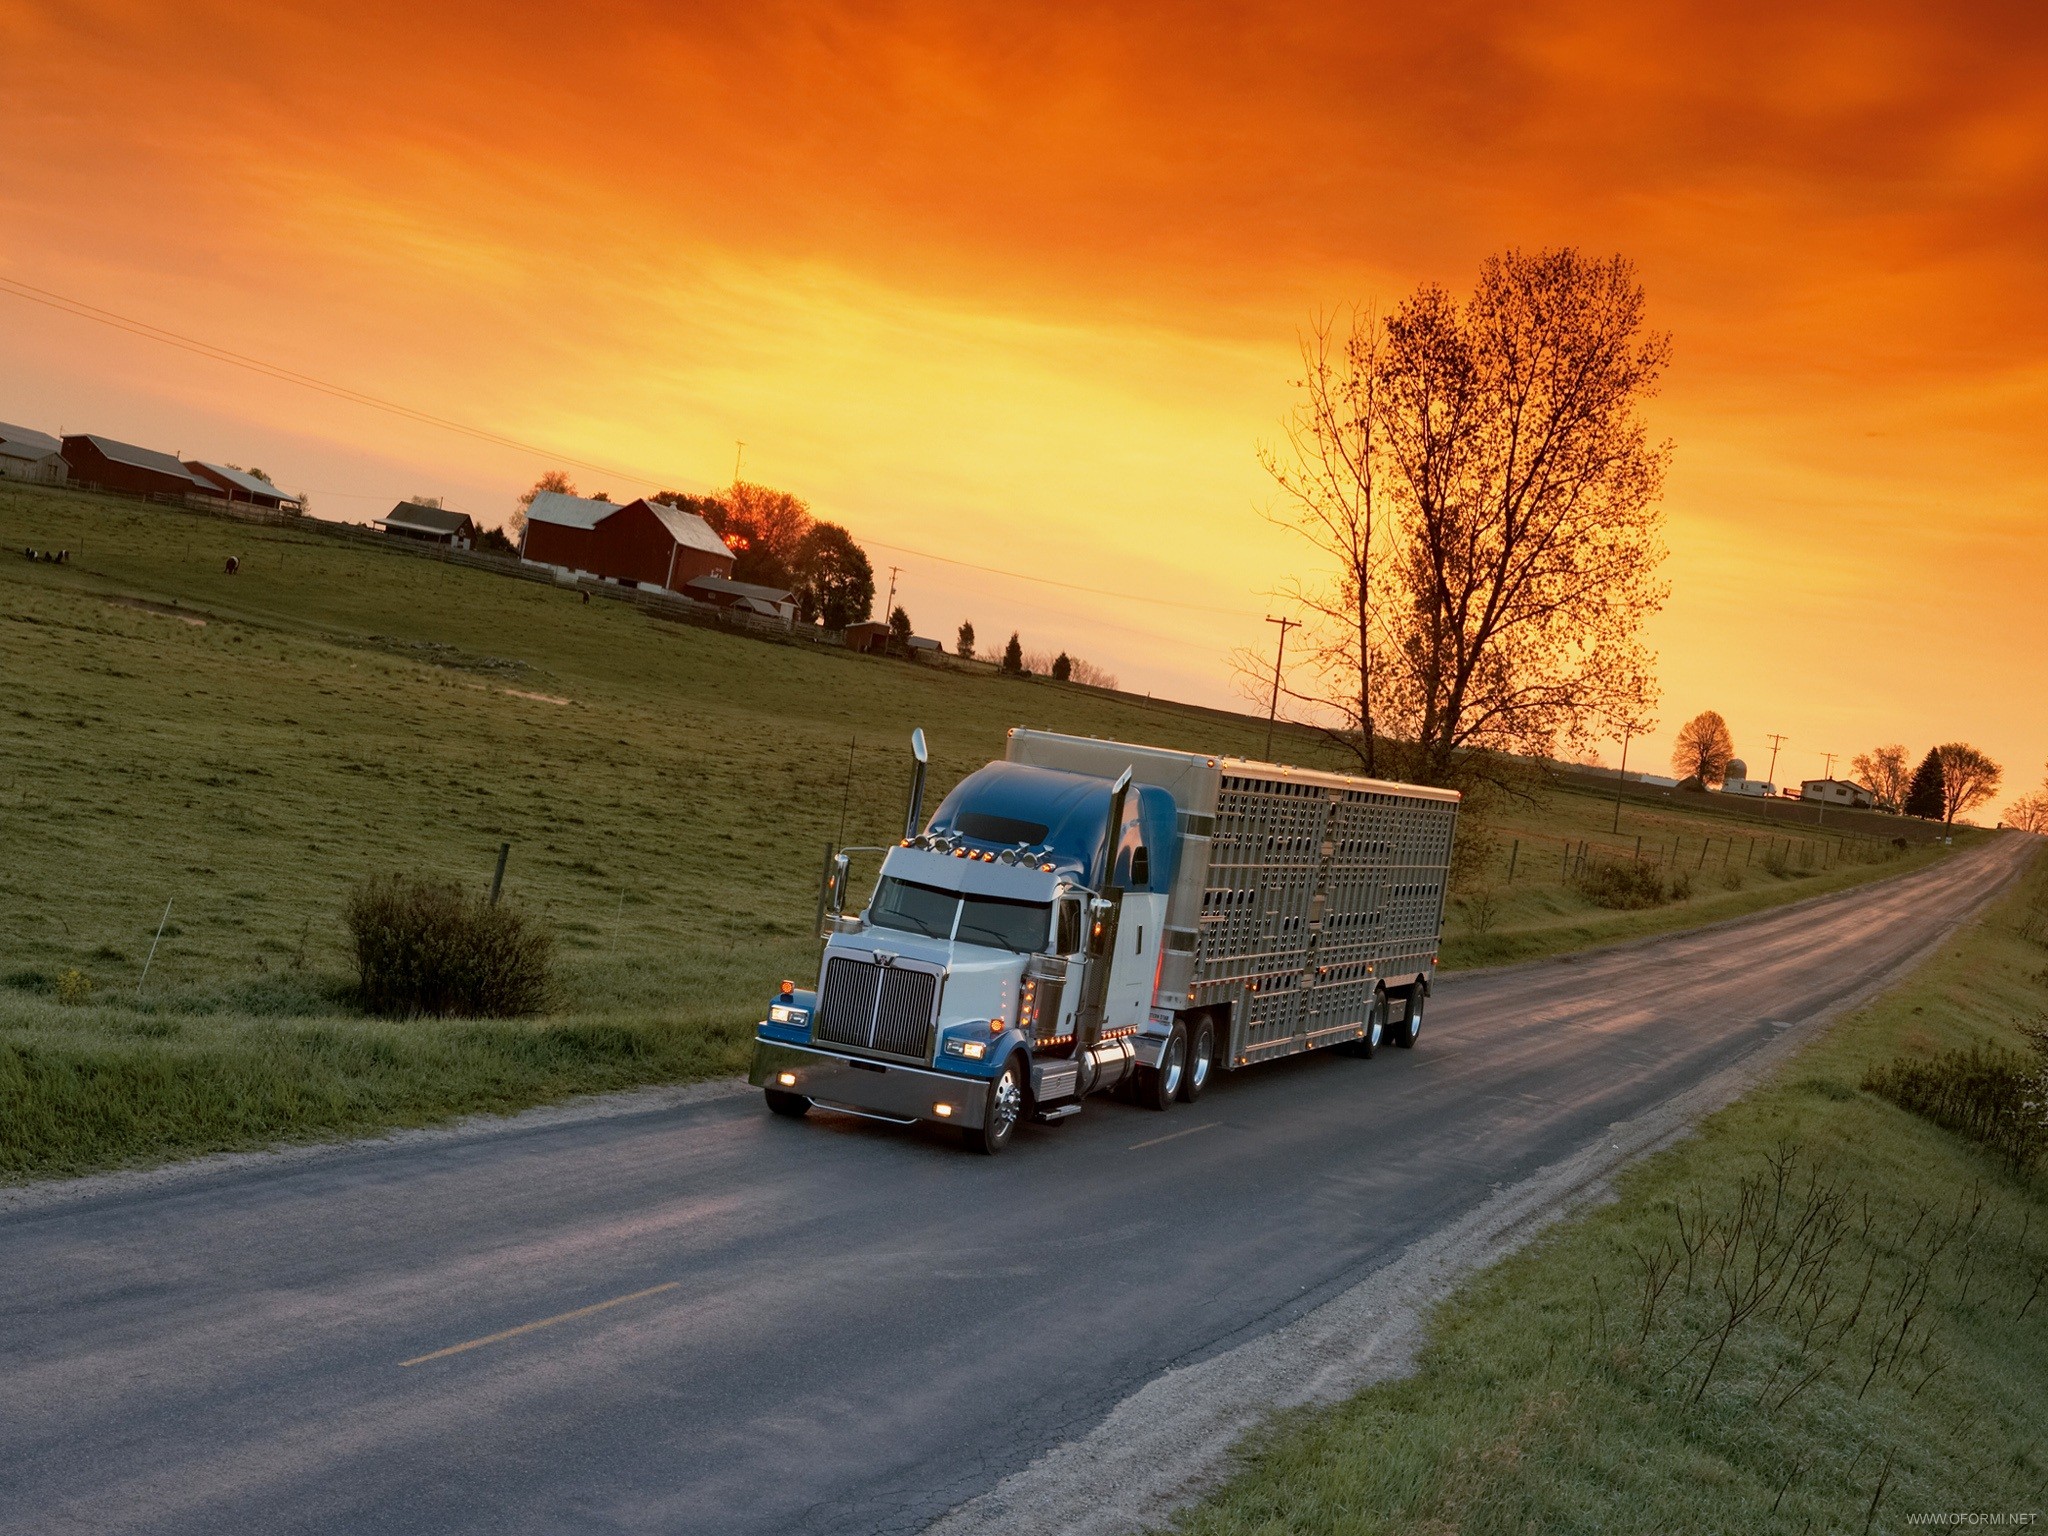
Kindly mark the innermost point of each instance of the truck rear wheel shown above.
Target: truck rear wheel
(794, 1105)
(1158, 1087)
(1404, 1033)
(1002, 1111)
(1368, 1044)
(1201, 1057)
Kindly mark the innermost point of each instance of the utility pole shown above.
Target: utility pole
(738, 451)
(1621, 778)
(1827, 775)
(1771, 774)
(889, 607)
(1279, 656)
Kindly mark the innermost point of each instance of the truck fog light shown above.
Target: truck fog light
(943, 1111)
(787, 1079)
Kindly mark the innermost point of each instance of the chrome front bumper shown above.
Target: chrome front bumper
(884, 1089)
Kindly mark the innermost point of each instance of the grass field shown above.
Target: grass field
(245, 748)
(1897, 1369)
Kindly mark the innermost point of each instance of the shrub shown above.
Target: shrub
(1731, 879)
(74, 986)
(1624, 887)
(426, 946)
(1990, 1095)
(1681, 885)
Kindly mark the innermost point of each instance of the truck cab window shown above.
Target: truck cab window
(1069, 927)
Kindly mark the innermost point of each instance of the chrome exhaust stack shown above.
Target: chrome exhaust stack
(914, 819)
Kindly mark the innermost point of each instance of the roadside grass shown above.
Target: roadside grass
(1864, 1337)
(248, 748)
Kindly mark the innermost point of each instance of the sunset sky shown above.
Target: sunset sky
(1021, 290)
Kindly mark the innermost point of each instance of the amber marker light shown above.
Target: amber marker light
(787, 1079)
(788, 987)
(943, 1111)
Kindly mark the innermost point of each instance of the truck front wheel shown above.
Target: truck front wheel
(1158, 1087)
(794, 1105)
(999, 1116)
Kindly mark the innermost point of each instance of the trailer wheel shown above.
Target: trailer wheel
(999, 1116)
(1157, 1087)
(1404, 1033)
(1201, 1058)
(794, 1105)
(1368, 1044)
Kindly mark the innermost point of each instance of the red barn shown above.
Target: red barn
(108, 465)
(640, 544)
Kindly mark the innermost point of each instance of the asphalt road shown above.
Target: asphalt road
(821, 1325)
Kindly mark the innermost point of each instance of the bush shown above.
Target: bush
(74, 986)
(1623, 887)
(1990, 1095)
(426, 946)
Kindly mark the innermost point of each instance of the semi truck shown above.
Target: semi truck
(1091, 917)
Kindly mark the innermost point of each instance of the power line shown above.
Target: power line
(1065, 586)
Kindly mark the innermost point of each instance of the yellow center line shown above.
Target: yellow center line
(1173, 1135)
(546, 1322)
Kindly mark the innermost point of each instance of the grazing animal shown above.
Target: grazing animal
(234, 565)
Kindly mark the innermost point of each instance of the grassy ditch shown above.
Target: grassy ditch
(1822, 1313)
(226, 758)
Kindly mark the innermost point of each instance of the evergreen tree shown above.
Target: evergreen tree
(1924, 799)
(964, 645)
(1062, 669)
(1013, 655)
(899, 628)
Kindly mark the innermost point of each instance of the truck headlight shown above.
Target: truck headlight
(783, 1013)
(973, 1050)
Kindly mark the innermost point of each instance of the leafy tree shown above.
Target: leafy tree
(492, 541)
(1482, 479)
(1923, 795)
(1013, 655)
(1968, 778)
(763, 527)
(1882, 771)
(1062, 668)
(1703, 748)
(964, 644)
(553, 480)
(899, 628)
(834, 584)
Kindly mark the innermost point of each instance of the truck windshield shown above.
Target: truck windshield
(1015, 925)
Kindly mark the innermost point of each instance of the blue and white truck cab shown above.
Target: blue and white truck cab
(1086, 916)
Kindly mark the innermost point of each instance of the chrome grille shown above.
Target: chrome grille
(876, 1007)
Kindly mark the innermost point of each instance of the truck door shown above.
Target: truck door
(1134, 968)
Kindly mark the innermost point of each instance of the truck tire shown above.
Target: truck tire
(1368, 1044)
(1004, 1108)
(1157, 1087)
(1404, 1033)
(1201, 1057)
(794, 1105)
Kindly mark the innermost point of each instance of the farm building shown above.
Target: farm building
(868, 635)
(240, 485)
(639, 544)
(1837, 792)
(29, 455)
(104, 464)
(743, 597)
(1738, 782)
(430, 525)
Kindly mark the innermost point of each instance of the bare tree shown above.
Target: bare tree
(1703, 748)
(1968, 778)
(1884, 772)
(2029, 813)
(1483, 482)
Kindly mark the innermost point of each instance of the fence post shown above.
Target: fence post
(1513, 854)
(498, 879)
(1705, 844)
(1639, 847)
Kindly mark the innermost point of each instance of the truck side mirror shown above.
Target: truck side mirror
(1141, 866)
(839, 866)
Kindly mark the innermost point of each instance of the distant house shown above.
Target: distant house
(105, 464)
(29, 455)
(1837, 792)
(639, 544)
(921, 645)
(240, 485)
(1738, 782)
(867, 635)
(430, 525)
(743, 597)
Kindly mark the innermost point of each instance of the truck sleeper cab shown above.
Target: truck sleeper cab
(1087, 916)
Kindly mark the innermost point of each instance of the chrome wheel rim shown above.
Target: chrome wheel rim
(1198, 1069)
(1008, 1105)
(1415, 1018)
(1379, 1022)
(1176, 1060)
